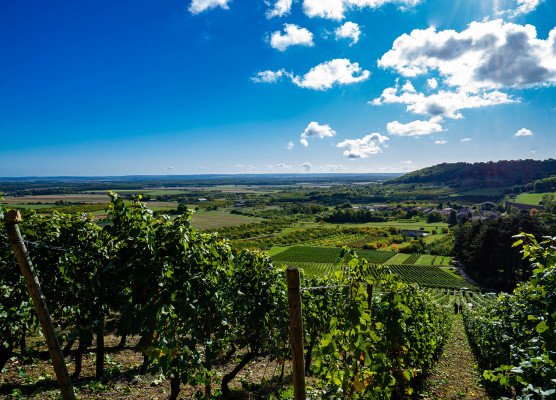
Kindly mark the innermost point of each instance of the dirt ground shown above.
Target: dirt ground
(35, 379)
(455, 376)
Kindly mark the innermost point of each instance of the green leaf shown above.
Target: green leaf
(542, 326)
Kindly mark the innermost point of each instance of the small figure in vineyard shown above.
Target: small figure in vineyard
(456, 307)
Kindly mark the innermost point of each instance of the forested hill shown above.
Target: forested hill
(501, 173)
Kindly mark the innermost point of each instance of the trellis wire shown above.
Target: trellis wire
(75, 251)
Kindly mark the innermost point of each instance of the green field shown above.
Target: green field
(398, 259)
(328, 255)
(531, 198)
(423, 275)
(219, 219)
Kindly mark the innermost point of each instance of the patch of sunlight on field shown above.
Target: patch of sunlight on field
(531, 198)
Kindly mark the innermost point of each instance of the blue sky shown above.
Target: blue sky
(230, 86)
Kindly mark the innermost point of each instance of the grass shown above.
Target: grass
(450, 271)
(531, 198)
(425, 259)
(274, 250)
(219, 219)
(398, 259)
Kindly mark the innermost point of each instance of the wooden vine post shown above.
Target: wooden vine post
(296, 332)
(11, 219)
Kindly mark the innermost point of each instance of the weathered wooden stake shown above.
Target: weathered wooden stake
(11, 219)
(296, 333)
(370, 297)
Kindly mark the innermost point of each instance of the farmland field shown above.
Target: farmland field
(423, 275)
(328, 255)
(219, 219)
(398, 259)
(533, 199)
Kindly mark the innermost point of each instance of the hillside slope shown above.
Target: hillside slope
(501, 173)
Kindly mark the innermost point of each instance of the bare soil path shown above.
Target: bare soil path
(455, 376)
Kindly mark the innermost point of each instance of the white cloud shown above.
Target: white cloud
(281, 8)
(324, 76)
(306, 166)
(268, 76)
(408, 87)
(294, 35)
(432, 83)
(363, 148)
(526, 6)
(523, 132)
(521, 7)
(443, 103)
(290, 146)
(440, 142)
(349, 30)
(198, 6)
(407, 165)
(487, 55)
(316, 130)
(335, 9)
(331, 167)
(279, 166)
(248, 167)
(467, 139)
(330, 9)
(415, 128)
(170, 168)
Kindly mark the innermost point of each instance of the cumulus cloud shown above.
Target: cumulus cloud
(349, 30)
(281, 8)
(365, 147)
(443, 103)
(440, 142)
(198, 6)
(523, 132)
(268, 76)
(339, 71)
(306, 166)
(290, 146)
(293, 35)
(324, 76)
(432, 83)
(316, 130)
(415, 128)
(466, 139)
(487, 55)
(335, 9)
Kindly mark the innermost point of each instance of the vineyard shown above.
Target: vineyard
(328, 255)
(422, 275)
(199, 314)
